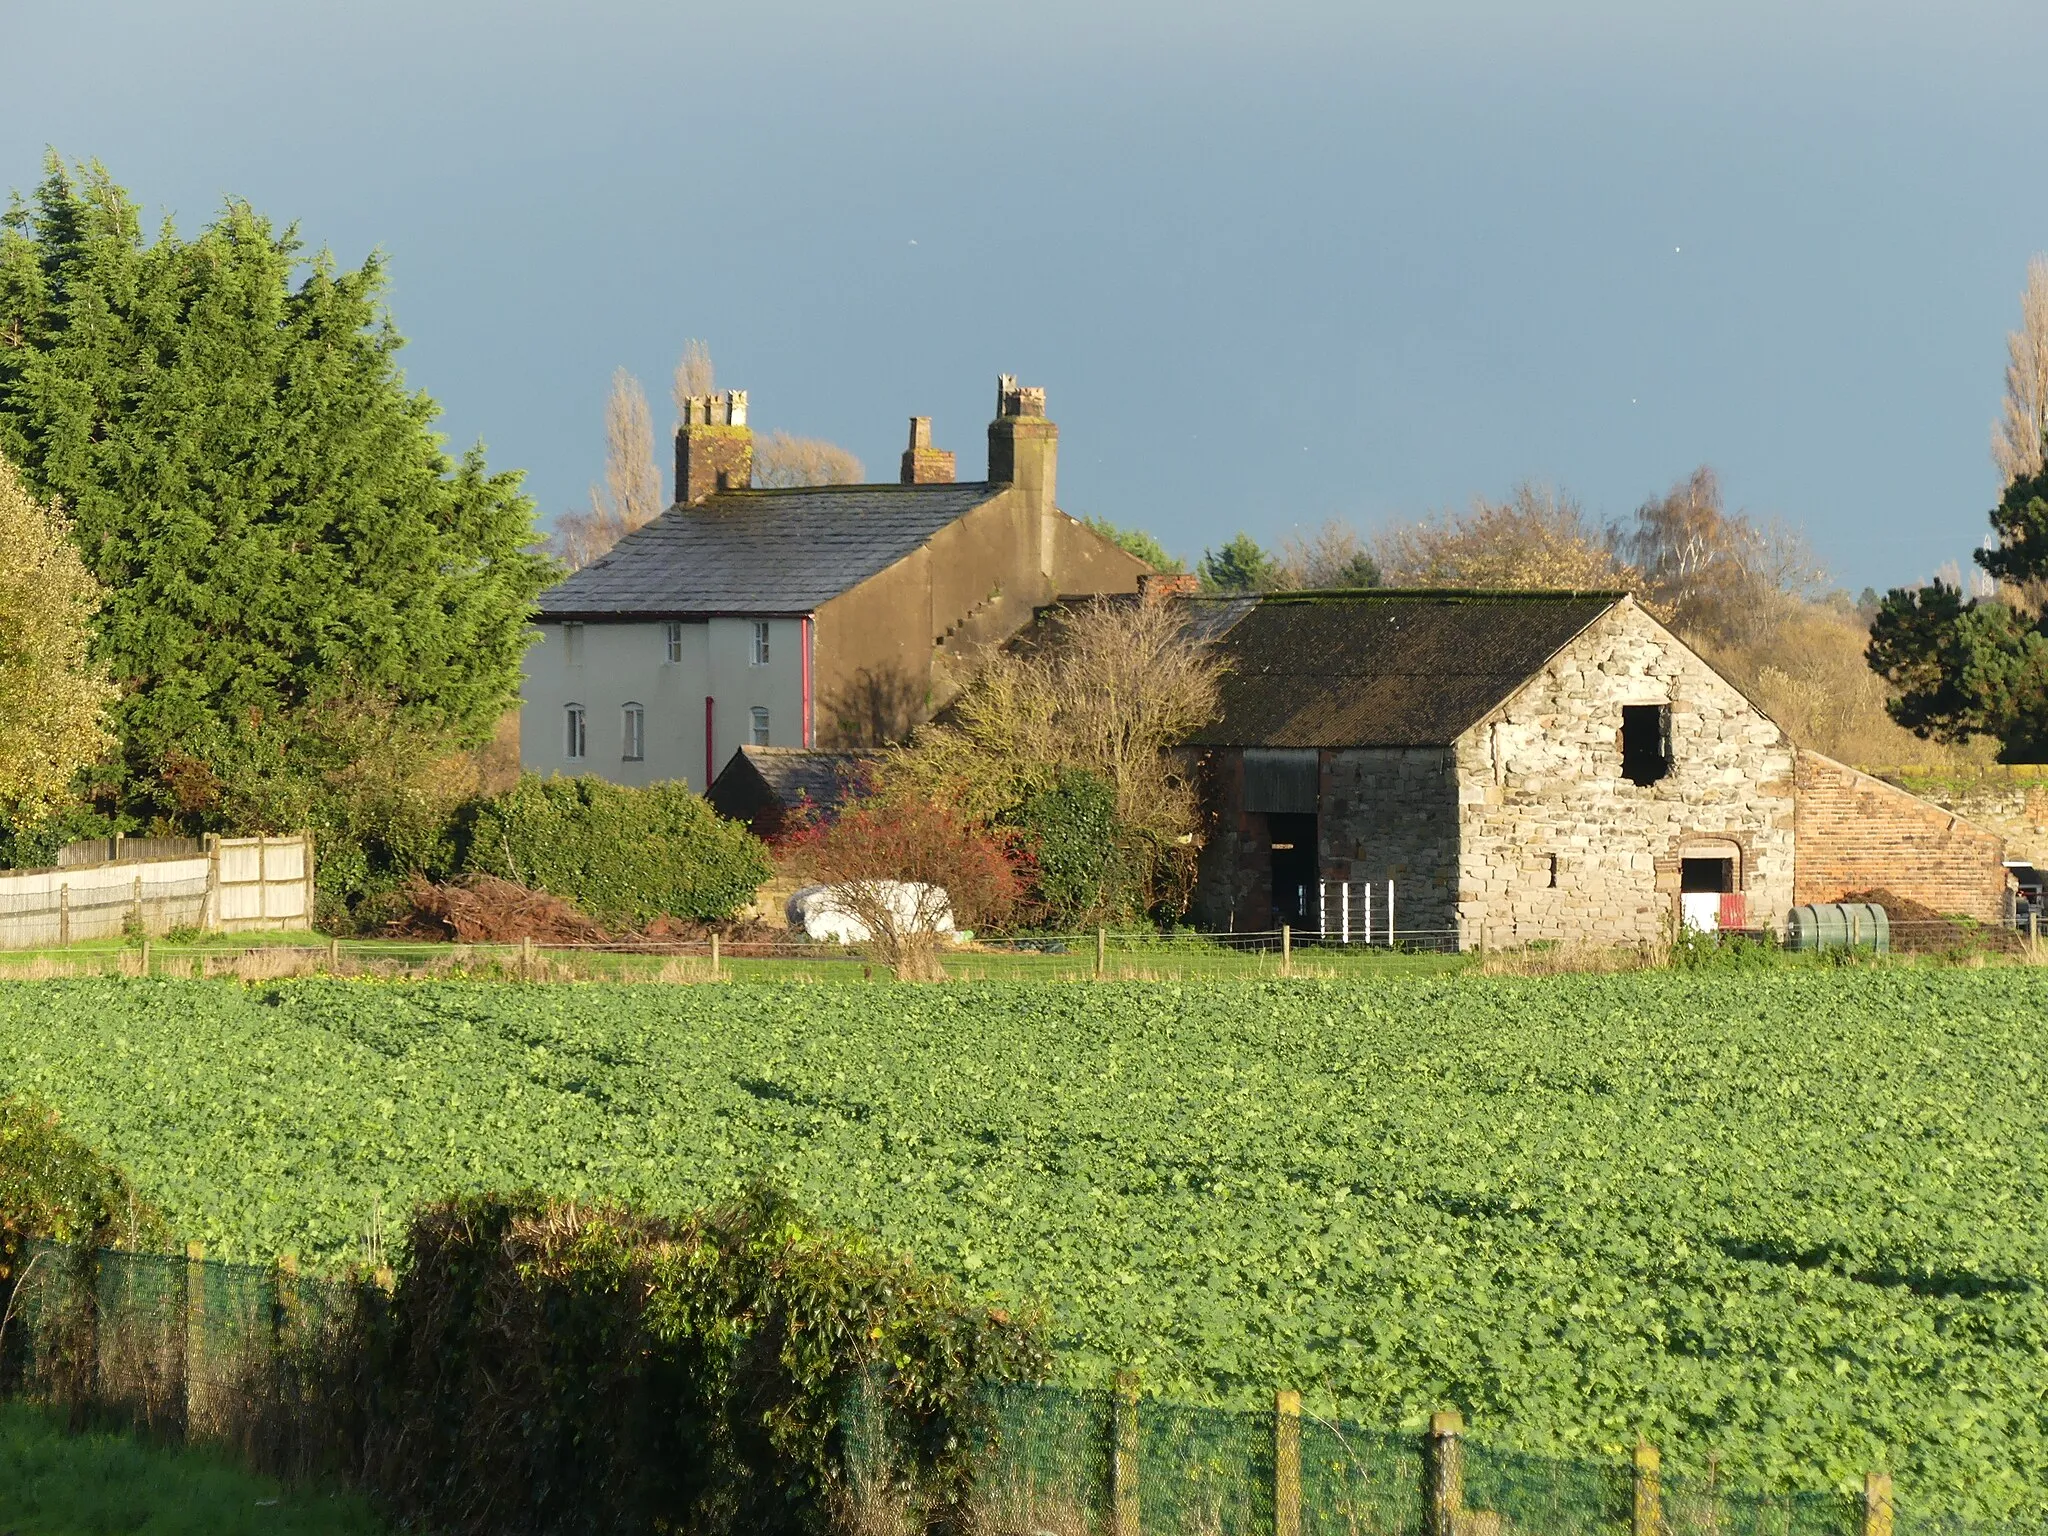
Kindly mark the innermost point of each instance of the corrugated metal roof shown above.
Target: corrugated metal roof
(1393, 668)
(761, 552)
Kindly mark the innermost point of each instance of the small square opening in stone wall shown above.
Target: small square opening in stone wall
(1645, 742)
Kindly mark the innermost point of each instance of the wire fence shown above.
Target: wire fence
(262, 1362)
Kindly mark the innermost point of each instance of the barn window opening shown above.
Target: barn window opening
(635, 733)
(1645, 742)
(1697, 877)
(1553, 871)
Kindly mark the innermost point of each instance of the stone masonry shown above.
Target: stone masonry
(1554, 843)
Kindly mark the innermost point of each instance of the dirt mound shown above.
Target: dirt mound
(1917, 929)
(482, 909)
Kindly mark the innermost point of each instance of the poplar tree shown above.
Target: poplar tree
(283, 539)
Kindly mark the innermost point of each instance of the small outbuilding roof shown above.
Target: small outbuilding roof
(763, 786)
(1392, 667)
(761, 552)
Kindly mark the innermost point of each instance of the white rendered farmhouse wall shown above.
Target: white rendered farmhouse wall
(667, 700)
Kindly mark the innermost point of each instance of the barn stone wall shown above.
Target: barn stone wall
(1391, 813)
(1857, 833)
(1555, 844)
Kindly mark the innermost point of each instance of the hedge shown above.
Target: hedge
(626, 856)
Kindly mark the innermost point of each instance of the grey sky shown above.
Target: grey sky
(1273, 263)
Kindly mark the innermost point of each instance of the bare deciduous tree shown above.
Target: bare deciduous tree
(1537, 539)
(782, 461)
(631, 497)
(694, 374)
(2020, 436)
(1331, 557)
(1114, 691)
(1714, 575)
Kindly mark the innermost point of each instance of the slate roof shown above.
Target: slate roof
(761, 552)
(1385, 668)
(794, 774)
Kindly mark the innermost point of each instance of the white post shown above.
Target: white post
(1390, 911)
(1365, 910)
(1344, 925)
(1323, 907)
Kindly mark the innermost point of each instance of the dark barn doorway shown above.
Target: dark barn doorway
(1293, 837)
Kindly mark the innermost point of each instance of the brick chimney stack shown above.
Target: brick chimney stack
(1023, 447)
(714, 447)
(922, 463)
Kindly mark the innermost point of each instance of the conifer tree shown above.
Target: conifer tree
(282, 537)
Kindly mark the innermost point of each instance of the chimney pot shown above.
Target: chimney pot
(922, 463)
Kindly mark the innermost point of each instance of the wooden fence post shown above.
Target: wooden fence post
(139, 928)
(714, 957)
(1287, 1464)
(1123, 1455)
(195, 1333)
(306, 867)
(64, 913)
(2033, 934)
(145, 957)
(209, 910)
(1648, 1514)
(526, 958)
(262, 881)
(1446, 1473)
(334, 956)
(1877, 1504)
(1286, 950)
(1101, 952)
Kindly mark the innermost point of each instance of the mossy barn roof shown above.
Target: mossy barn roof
(1383, 668)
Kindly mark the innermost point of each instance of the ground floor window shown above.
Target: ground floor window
(760, 726)
(573, 747)
(635, 733)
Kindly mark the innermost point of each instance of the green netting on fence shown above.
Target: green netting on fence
(255, 1359)
(232, 1354)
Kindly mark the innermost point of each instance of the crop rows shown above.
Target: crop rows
(1792, 1221)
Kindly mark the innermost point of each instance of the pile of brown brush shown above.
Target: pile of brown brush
(482, 909)
(1917, 929)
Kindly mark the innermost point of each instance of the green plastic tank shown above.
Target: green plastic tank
(1838, 925)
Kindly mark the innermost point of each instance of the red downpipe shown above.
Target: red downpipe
(710, 758)
(809, 731)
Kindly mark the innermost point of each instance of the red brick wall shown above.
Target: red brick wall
(1857, 833)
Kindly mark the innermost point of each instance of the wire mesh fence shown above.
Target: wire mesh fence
(270, 1366)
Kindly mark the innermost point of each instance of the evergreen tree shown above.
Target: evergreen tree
(280, 532)
(1968, 666)
(1239, 566)
(1135, 542)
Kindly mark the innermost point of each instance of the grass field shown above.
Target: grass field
(100, 1484)
(1793, 1219)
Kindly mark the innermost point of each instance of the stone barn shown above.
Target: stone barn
(1516, 766)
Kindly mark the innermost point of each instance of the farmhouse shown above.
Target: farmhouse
(1501, 768)
(821, 616)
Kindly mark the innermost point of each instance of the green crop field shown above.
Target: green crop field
(1794, 1220)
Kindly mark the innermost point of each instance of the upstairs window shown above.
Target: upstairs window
(572, 644)
(672, 641)
(1645, 742)
(760, 726)
(761, 643)
(573, 747)
(635, 734)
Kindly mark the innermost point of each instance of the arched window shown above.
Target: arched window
(635, 723)
(576, 737)
(760, 722)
